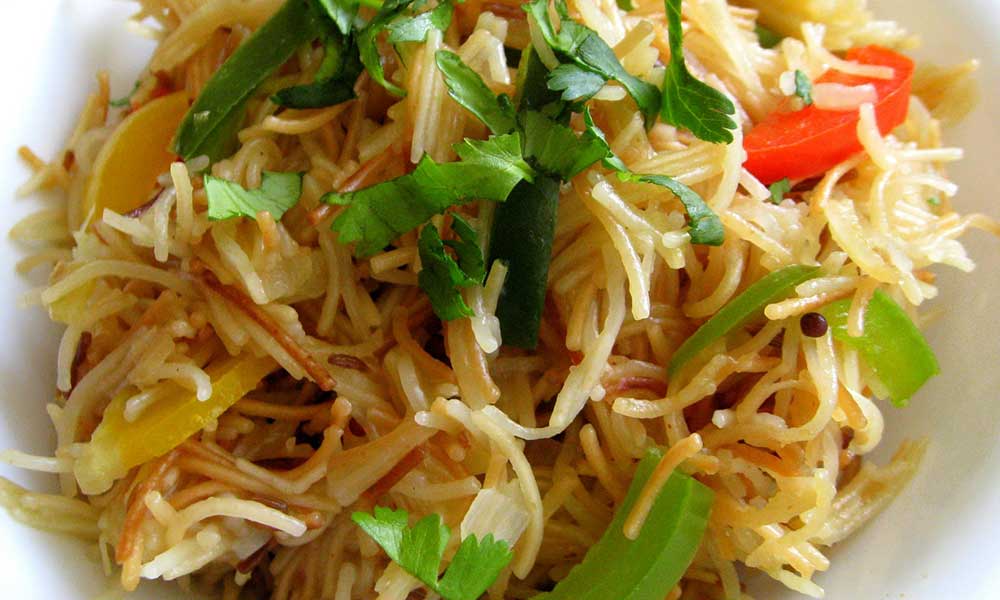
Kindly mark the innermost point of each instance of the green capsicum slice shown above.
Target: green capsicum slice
(742, 309)
(648, 567)
(891, 345)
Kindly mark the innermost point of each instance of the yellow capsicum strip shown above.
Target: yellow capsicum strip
(118, 445)
(137, 153)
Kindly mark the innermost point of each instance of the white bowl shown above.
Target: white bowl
(939, 540)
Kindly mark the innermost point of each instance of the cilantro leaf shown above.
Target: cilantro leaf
(419, 550)
(688, 102)
(415, 29)
(555, 148)
(502, 155)
(474, 567)
(342, 12)
(705, 226)
(335, 78)
(277, 193)
(779, 189)
(532, 91)
(594, 132)
(470, 255)
(422, 548)
(377, 215)
(580, 45)
(386, 527)
(574, 82)
(467, 88)
(441, 277)
(803, 87)
(368, 45)
(125, 100)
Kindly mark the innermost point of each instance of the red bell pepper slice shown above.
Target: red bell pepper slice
(811, 141)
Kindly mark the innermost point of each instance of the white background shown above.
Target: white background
(940, 540)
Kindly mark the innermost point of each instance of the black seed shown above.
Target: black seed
(813, 325)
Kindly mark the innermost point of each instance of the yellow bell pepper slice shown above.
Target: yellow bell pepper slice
(174, 416)
(134, 156)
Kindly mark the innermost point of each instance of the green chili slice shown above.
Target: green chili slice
(893, 348)
(648, 567)
(523, 229)
(741, 310)
(210, 126)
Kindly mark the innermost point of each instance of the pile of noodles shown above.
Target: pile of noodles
(535, 447)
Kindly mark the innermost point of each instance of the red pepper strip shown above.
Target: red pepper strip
(811, 141)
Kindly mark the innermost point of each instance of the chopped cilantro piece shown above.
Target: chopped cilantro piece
(277, 193)
(414, 29)
(582, 46)
(705, 226)
(476, 563)
(466, 247)
(803, 87)
(126, 100)
(555, 148)
(343, 13)
(779, 189)
(419, 550)
(574, 82)
(378, 214)
(688, 102)
(467, 88)
(441, 277)
(610, 159)
(367, 42)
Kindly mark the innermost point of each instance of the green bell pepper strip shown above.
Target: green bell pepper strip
(741, 310)
(648, 567)
(891, 345)
(210, 127)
